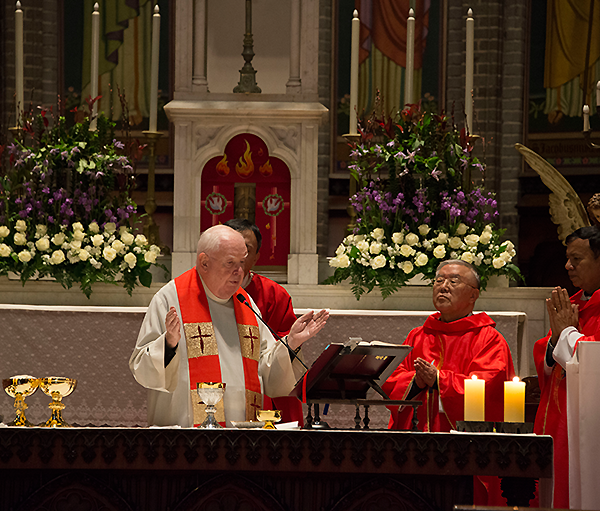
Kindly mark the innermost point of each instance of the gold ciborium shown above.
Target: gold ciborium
(20, 387)
(268, 417)
(57, 387)
(210, 394)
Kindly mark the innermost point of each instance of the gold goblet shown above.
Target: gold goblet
(210, 394)
(269, 417)
(20, 387)
(57, 387)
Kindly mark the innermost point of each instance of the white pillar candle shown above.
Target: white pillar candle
(94, 63)
(354, 73)
(586, 118)
(154, 68)
(410, 58)
(514, 400)
(470, 51)
(474, 399)
(18, 62)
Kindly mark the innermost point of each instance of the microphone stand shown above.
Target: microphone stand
(243, 300)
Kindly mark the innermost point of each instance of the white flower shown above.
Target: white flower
(441, 238)
(110, 227)
(137, 250)
(378, 233)
(140, 240)
(118, 245)
(407, 267)
(510, 248)
(20, 238)
(455, 242)
(150, 257)
(341, 261)
(362, 245)
(127, 238)
(472, 240)
(5, 250)
(424, 229)
(95, 263)
(421, 259)
(24, 256)
(427, 245)
(21, 226)
(439, 252)
(375, 247)
(359, 237)
(485, 237)
(83, 254)
(339, 251)
(97, 239)
(59, 239)
(155, 249)
(348, 240)
(72, 257)
(477, 259)
(77, 226)
(40, 230)
(398, 237)
(462, 229)
(406, 251)
(378, 262)
(94, 227)
(506, 257)
(488, 228)
(42, 244)
(498, 262)
(467, 257)
(75, 244)
(411, 238)
(130, 259)
(4, 231)
(109, 253)
(58, 257)
(79, 235)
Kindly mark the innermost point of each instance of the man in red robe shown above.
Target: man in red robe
(275, 305)
(571, 320)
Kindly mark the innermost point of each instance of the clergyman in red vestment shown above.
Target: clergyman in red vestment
(571, 320)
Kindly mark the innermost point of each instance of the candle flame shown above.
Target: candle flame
(516, 379)
(474, 377)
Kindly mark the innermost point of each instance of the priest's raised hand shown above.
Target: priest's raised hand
(306, 326)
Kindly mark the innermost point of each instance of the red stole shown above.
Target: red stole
(202, 351)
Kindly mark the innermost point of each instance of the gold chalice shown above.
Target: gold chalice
(268, 417)
(210, 394)
(20, 387)
(57, 387)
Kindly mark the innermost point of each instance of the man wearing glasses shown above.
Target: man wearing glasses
(454, 344)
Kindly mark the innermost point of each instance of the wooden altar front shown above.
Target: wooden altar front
(191, 470)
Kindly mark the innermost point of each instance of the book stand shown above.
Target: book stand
(343, 374)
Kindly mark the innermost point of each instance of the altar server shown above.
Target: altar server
(222, 340)
(571, 320)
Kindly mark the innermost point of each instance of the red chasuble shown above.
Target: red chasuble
(203, 355)
(459, 350)
(275, 305)
(551, 417)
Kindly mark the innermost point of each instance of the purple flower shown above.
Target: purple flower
(118, 144)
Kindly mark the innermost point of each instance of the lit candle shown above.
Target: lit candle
(514, 400)
(410, 57)
(586, 118)
(598, 94)
(19, 61)
(94, 63)
(154, 68)
(474, 399)
(470, 51)
(354, 72)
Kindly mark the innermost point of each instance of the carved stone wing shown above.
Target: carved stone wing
(566, 209)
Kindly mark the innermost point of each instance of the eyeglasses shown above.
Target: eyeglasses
(452, 280)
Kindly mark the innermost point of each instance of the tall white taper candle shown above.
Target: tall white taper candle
(18, 62)
(586, 118)
(354, 72)
(410, 58)
(470, 50)
(94, 63)
(154, 68)
(598, 94)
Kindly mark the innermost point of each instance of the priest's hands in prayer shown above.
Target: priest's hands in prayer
(425, 373)
(306, 326)
(562, 313)
(173, 326)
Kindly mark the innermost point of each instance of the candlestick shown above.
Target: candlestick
(586, 118)
(354, 73)
(514, 400)
(154, 68)
(470, 51)
(410, 57)
(474, 399)
(94, 64)
(18, 62)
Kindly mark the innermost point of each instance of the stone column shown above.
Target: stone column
(199, 79)
(294, 84)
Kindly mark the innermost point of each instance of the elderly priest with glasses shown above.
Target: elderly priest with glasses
(200, 327)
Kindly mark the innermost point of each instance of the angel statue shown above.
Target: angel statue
(566, 209)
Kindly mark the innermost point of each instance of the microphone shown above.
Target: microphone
(243, 300)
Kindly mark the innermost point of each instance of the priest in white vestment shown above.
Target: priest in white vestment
(195, 326)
